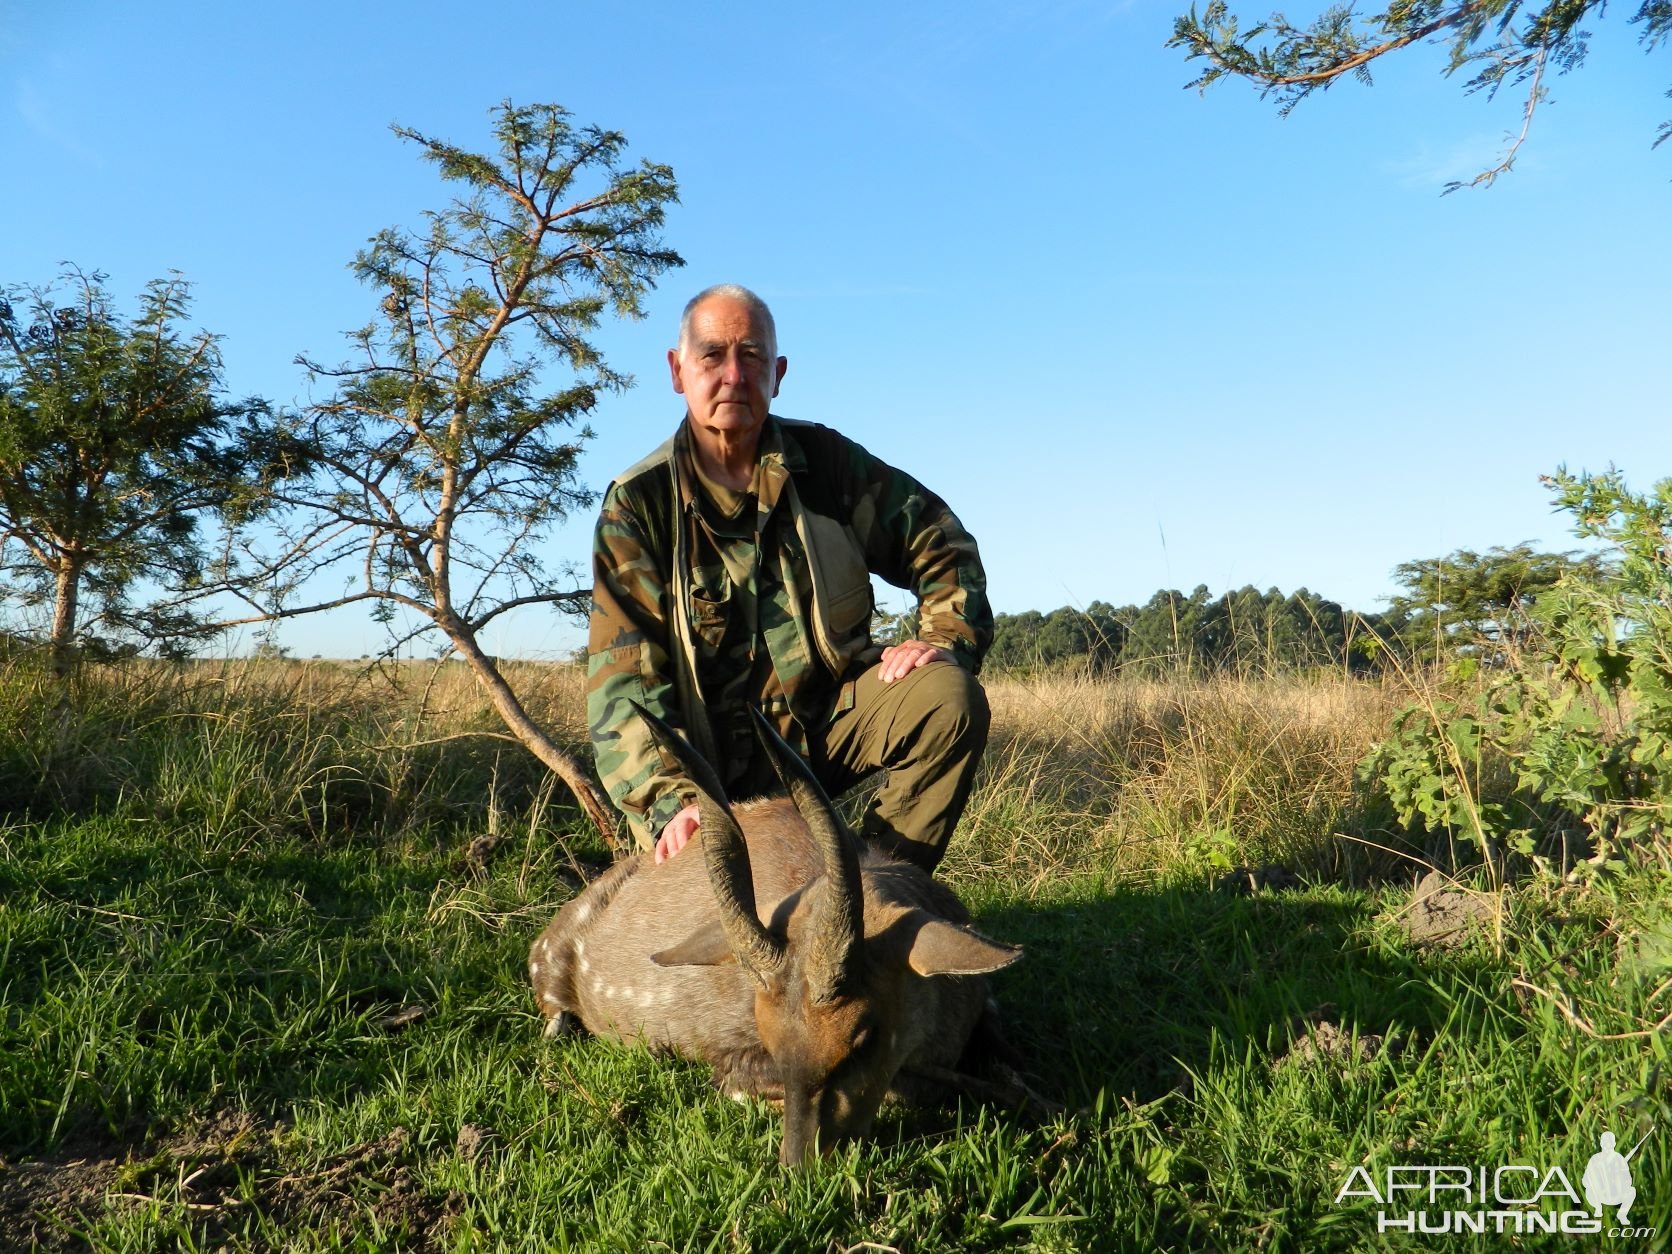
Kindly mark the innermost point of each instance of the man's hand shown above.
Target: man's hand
(677, 834)
(899, 660)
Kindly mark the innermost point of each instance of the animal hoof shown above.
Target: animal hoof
(563, 1025)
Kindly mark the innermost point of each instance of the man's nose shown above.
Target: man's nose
(733, 373)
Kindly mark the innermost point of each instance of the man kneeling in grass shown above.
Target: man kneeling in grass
(731, 569)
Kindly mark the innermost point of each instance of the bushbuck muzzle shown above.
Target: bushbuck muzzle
(801, 964)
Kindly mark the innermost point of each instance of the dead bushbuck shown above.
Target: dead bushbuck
(807, 967)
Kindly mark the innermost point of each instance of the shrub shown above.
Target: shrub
(1564, 751)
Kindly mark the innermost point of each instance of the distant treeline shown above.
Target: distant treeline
(1480, 604)
(1245, 630)
(1241, 631)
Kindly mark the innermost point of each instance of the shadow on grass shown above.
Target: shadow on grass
(144, 982)
(1126, 992)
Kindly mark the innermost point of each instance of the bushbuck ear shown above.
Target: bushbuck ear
(705, 947)
(941, 948)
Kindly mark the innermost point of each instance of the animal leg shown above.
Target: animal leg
(565, 1024)
(749, 1073)
(988, 1045)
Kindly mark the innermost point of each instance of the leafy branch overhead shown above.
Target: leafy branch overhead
(449, 441)
(1499, 42)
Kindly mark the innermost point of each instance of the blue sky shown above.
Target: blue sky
(1137, 337)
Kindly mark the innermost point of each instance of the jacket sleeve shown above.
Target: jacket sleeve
(914, 541)
(628, 660)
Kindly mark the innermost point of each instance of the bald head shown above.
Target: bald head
(731, 292)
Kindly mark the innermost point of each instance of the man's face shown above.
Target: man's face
(726, 370)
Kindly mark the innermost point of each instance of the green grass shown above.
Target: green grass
(199, 1046)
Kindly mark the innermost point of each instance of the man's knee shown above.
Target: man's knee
(937, 734)
(950, 705)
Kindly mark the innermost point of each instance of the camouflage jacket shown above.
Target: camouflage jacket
(697, 614)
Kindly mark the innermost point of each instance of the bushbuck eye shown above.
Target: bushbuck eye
(858, 1056)
(865, 1037)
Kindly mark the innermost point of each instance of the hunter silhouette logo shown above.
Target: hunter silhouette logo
(1607, 1178)
(1518, 1198)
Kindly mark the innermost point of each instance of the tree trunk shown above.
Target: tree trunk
(558, 760)
(61, 643)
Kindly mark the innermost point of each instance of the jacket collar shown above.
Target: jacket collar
(778, 456)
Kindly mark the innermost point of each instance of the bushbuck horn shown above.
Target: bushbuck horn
(840, 952)
(760, 953)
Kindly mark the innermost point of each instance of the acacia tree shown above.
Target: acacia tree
(1481, 602)
(448, 446)
(1499, 41)
(115, 443)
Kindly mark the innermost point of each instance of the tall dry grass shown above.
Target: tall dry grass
(1140, 778)
(253, 747)
(1133, 779)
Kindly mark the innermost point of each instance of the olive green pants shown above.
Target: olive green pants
(926, 730)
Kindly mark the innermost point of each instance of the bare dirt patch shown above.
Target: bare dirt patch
(42, 1203)
(48, 1203)
(232, 1175)
(377, 1176)
(1439, 914)
(1319, 1040)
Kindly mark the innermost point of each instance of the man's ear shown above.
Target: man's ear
(705, 947)
(778, 375)
(673, 370)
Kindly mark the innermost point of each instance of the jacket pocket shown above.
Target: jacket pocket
(841, 590)
(710, 613)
